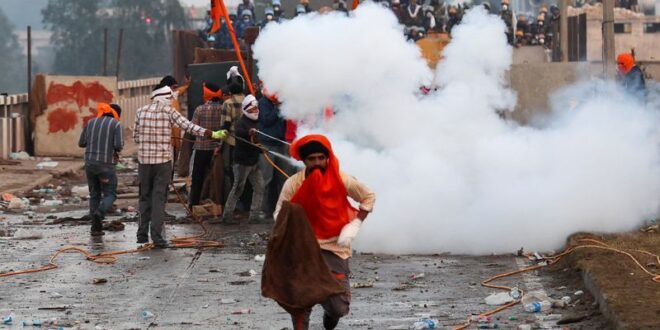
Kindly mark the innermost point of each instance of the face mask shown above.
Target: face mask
(269, 18)
(246, 20)
(252, 115)
(505, 7)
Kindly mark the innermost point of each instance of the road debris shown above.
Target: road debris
(497, 299)
(242, 311)
(358, 285)
(99, 281)
(25, 234)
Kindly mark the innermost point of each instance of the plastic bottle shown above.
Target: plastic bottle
(35, 323)
(515, 293)
(425, 324)
(488, 326)
(539, 306)
(147, 314)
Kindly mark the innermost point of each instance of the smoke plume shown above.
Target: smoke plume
(451, 175)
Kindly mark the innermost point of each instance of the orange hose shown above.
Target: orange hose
(595, 244)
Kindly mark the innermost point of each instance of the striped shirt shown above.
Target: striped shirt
(101, 138)
(209, 116)
(153, 131)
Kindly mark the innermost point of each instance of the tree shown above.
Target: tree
(77, 27)
(12, 66)
(76, 30)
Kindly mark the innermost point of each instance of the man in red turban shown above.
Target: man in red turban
(323, 190)
(630, 76)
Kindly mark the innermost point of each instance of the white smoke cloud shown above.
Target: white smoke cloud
(449, 173)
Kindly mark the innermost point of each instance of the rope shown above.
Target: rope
(594, 244)
(108, 258)
(273, 138)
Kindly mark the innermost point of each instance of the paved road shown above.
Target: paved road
(186, 289)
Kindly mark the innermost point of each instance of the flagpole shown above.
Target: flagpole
(236, 46)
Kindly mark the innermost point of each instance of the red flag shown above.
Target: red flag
(217, 13)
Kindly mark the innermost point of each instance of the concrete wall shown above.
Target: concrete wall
(646, 45)
(534, 83)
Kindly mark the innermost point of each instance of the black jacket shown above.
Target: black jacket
(244, 153)
(633, 82)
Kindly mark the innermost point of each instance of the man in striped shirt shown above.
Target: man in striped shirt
(152, 133)
(102, 139)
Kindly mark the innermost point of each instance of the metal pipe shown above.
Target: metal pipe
(119, 44)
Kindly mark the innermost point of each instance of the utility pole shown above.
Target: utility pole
(608, 39)
(105, 51)
(563, 30)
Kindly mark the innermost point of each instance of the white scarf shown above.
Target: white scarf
(417, 8)
(163, 95)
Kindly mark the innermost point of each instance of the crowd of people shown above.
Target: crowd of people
(233, 131)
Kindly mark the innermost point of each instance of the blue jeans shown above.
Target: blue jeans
(102, 183)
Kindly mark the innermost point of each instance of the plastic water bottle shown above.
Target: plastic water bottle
(515, 293)
(539, 306)
(426, 324)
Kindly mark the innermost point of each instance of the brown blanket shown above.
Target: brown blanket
(295, 274)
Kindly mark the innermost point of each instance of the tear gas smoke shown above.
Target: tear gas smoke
(449, 174)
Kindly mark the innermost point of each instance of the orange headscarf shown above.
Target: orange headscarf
(625, 62)
(209, 94)
(104, 108)
(323, 195)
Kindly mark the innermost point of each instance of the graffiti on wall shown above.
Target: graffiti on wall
(83, 95)
(70, 104)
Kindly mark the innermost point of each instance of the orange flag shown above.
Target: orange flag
(217, 13)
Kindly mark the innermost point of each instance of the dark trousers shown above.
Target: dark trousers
(336, 306)
(243, 173)
(102, 183)
(154, 180)
(201, 165)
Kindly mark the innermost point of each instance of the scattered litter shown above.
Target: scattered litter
(536, 301)
(55, 295)
(364, 285)
(550, 317)
(99, 281)
(497, 299)
(146, 314)
(228, 301)
(7, 320)
(20, 156)
(7, 197)
(34, 323)
(513, 318)
(561, 288)
(488, 326)
(481, 319)
(417, 276)
(525, 327)
(241, 282)
(205, 306)
(49, 164)
(579, 293)
(131, 209)
(27, 234)
(515, 293)
(114, 225)
(562, 303)
(260, 257)
(18, 203)
(52, 202)
(80, 191)
(144, 258)
(248, 273)
(425, 324)
(242, 311)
